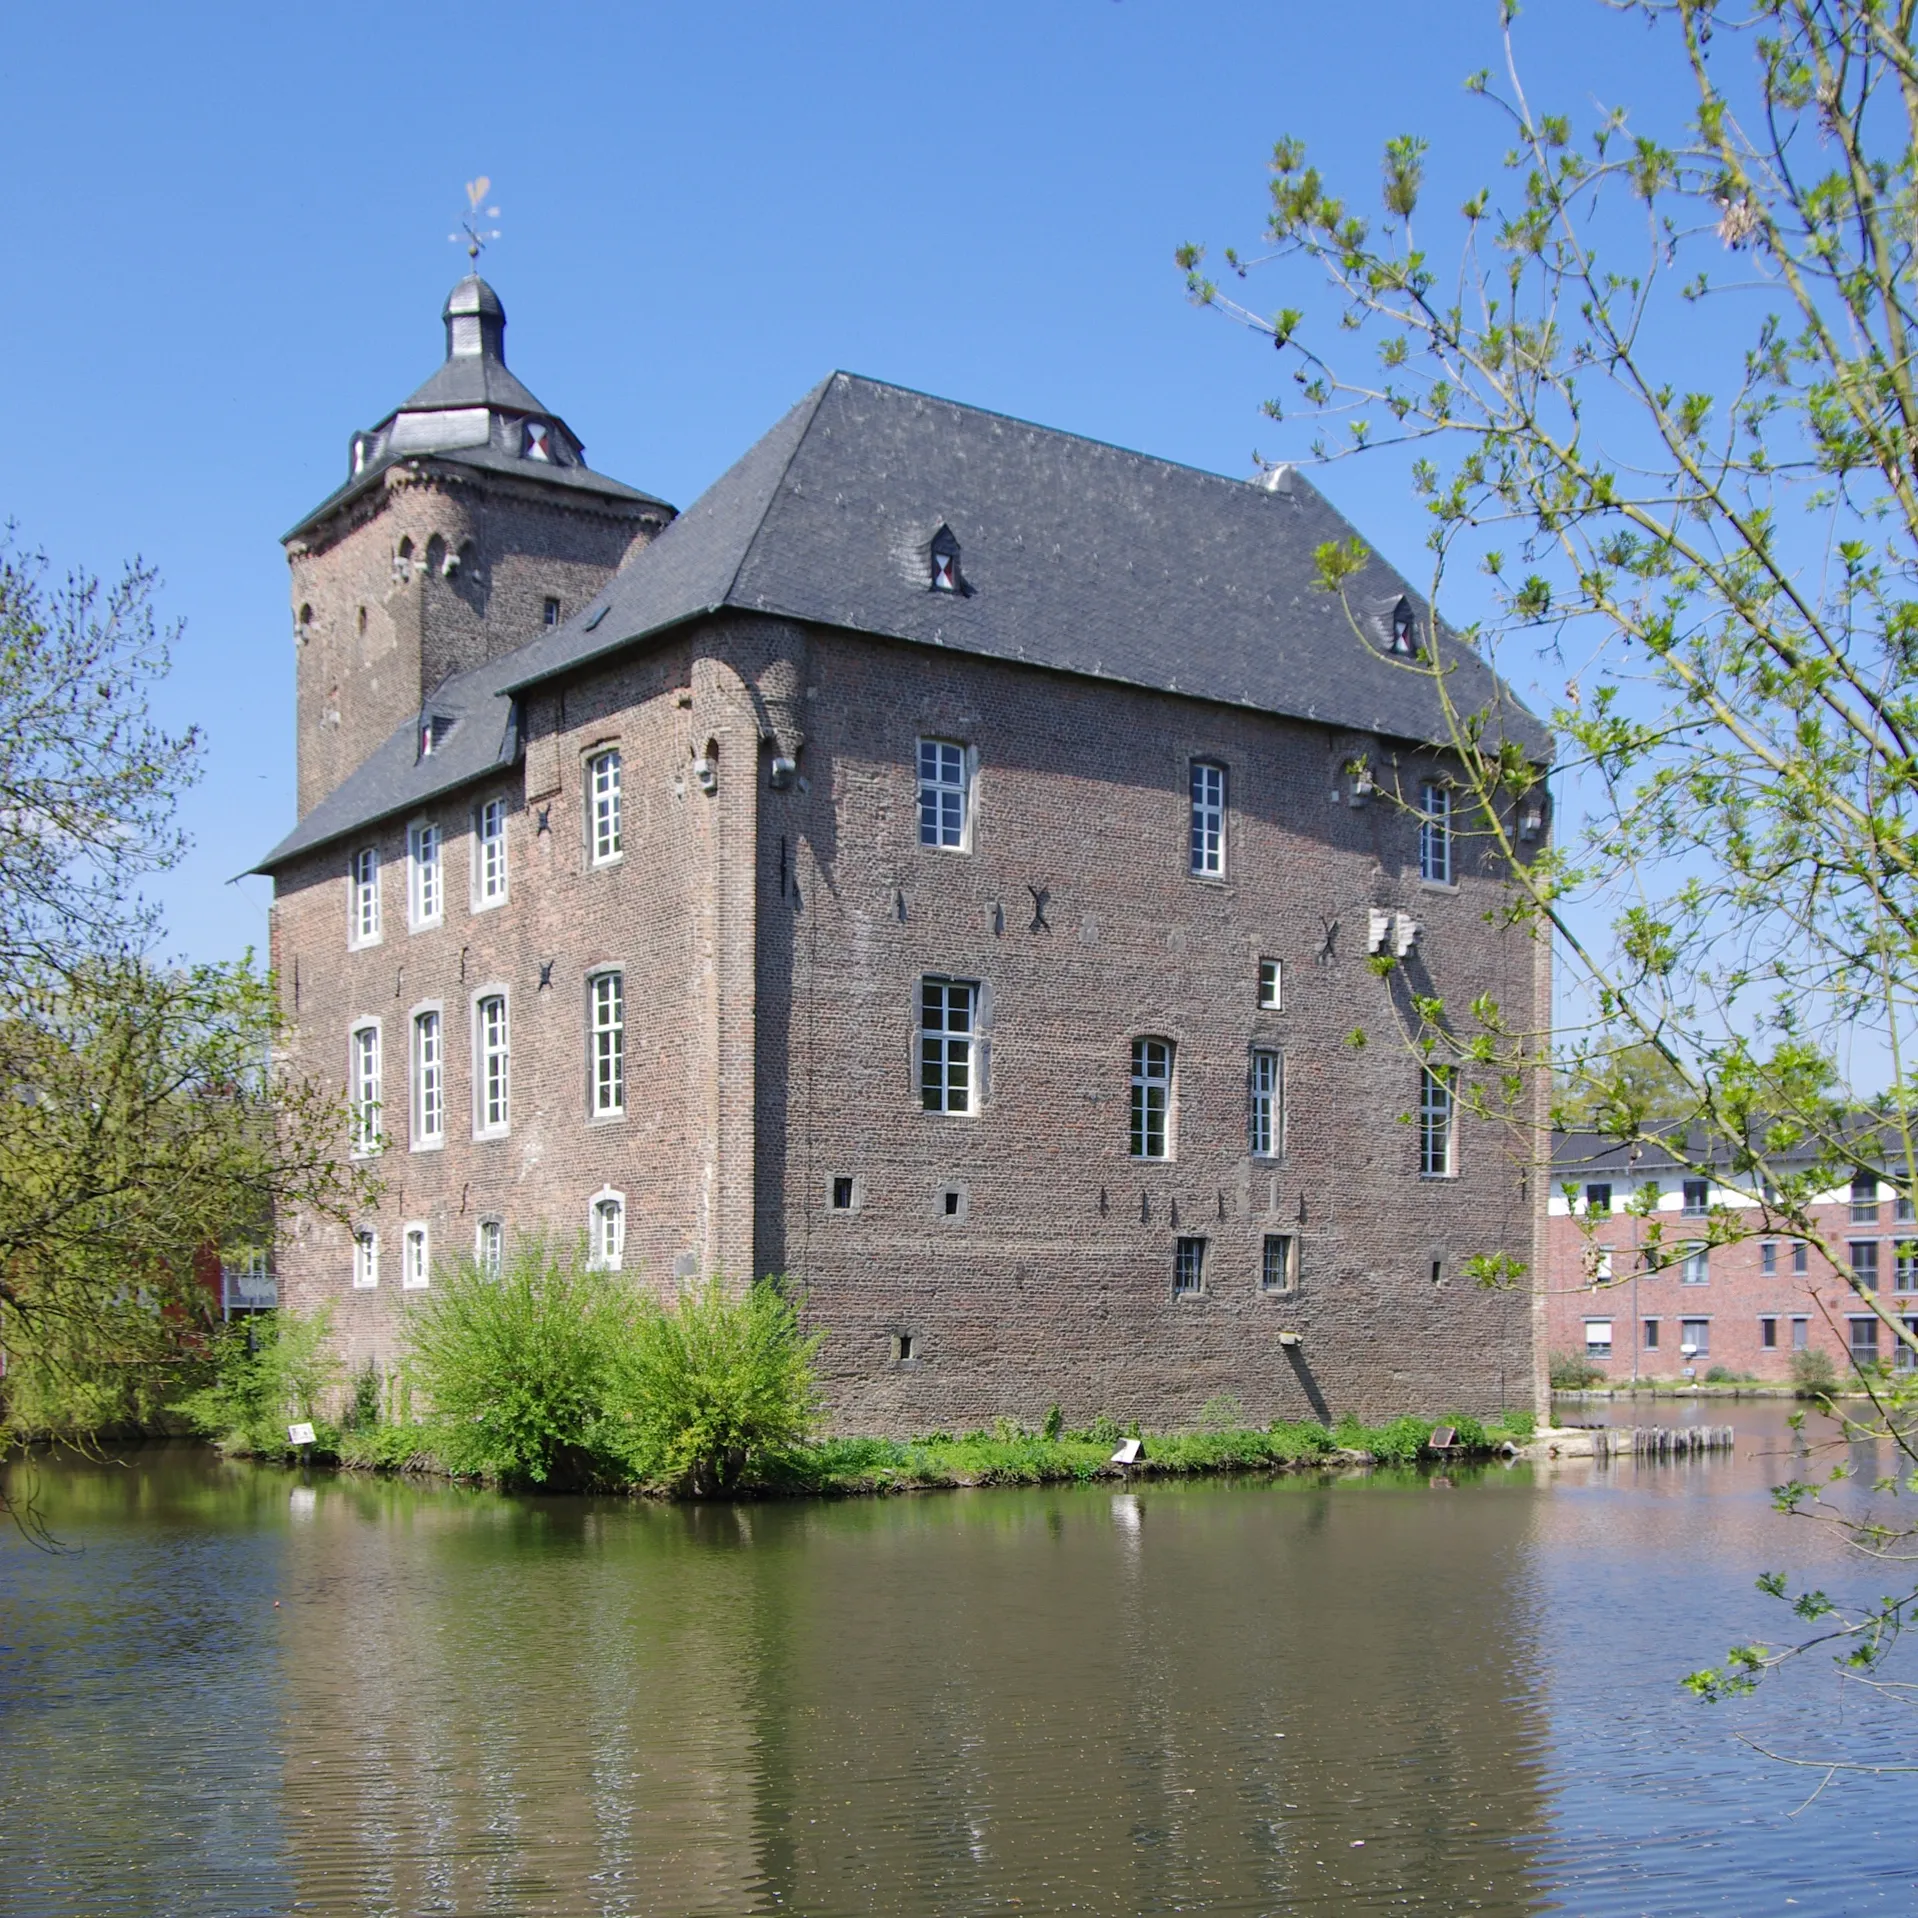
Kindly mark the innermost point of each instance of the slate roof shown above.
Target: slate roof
(471, 411)
(1078, 556)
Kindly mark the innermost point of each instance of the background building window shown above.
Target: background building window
(1906, 1265)
(1435, 834)
(1864, 1264)
(1800, 1334)
(1152, 1098)
(604, 835)
(1902, 1356)
(1279, 1263)
(1800, 1258)
(494, 1078)
(489, 854)
(1903, 1212)
(429, 1091)
(608, 999)
(1695, 1338)
(1267, 1115)
(948, 1011)
(1188, 1265)
(1768, 1334)
(1697, 1266)
(366, 1259)
(1695, 1198)
(1768, 1258)
(489, 1248)
(942, 794)
(416, 1268)
(1208, 819)
(1651, 1335)
(1864, 1199)
(1271, 986)
(363, 1094)
(1438, 1123)
(1598, 1201)
(423, 863)
(606, 1232)
(1598, 1338)
(365, 924)
(1864, 1341)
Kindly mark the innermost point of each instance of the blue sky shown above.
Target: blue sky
(228, 250)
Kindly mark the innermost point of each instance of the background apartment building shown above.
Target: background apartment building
(933, 867)
(1671, 1304)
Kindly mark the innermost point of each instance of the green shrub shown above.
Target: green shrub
(712, 1387)
(517, 1369)
(1573, 1372)
(269, 1371)
(1813, 1373)
(1520, 1427)
(1055, 1421)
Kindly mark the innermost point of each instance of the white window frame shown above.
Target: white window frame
(606, 1230)
(1271, 985)
(1265, 1117)
(605, 806)
(363, 898)
(1695, 1268)
(416, 1257)
(949, 1044)
(945, 790)
(1206, 796)
(365, 1095)
(366, 1259)
(427, 1074)
(492, 1064)
(489, 1247)
(1150, 1108)
(1438, 1123)
(1437, 866)
(606, 1043)
(489, 855)
(425, 875)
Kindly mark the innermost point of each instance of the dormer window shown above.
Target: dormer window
(946, 577)
(1405, 630)
(539, 442)
(434, 731)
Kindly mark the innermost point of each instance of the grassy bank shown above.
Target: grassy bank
(1007, 1455)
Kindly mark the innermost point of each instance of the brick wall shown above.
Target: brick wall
(773, 941)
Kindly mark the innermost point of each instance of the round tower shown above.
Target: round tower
(468, 521)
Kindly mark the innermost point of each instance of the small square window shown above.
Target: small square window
(1271, 986)
(1279, 1263)
(842, 1195)
(1188, 1266)
(950, 1199)
(1598, 1201)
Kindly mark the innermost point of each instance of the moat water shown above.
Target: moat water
(238, 1691)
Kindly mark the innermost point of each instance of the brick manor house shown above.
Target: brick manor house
(932, 867)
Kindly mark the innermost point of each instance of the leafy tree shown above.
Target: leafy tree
(1657, 388)
(144, 1127)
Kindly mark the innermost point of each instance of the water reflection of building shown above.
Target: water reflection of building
(1175, 1697)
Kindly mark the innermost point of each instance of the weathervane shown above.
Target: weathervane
(476, 236)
